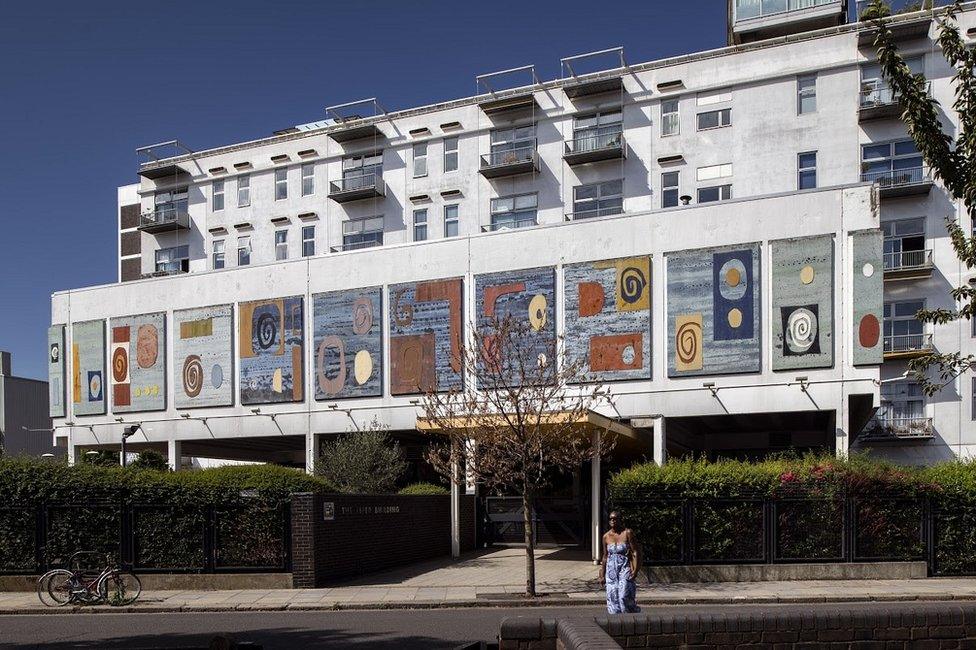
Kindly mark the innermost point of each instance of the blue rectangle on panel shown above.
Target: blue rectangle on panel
(733, 292)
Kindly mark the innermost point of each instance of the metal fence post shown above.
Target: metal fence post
(209, 542)
(688, 531)
(40, 538)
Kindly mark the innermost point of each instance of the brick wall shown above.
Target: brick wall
(892, 625)
(369, 533)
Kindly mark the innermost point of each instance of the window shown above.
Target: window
(420, 225)
(806, 175)
(670, 122)
(512, 145)
(420, 159)
(308, 241)
(597, 130)
(514, 211)
(891, 163)
(451, 221)
(217, 198)
(243, 251)
(450, 154)
(218, 254)
(308, 179)
(598, 199)
(362, 233)
(281, 245)
(902, 331)
(359, 172)
(669, 189)
(806, 94)
(901, 402)
(244, 191)
(168, 205)
(904, 244)
(281, 183)
(173, 260)
(715, 119)
(714, 193)
(875, 91)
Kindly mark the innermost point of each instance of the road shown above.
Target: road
(437, 629)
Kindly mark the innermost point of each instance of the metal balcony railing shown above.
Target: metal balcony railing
(526, 221)
(907, 260)
(596, 212)
(750, 9)
(356, 183)
(595, 142)
(357, 245)
(875, 94)
(897, 177)
(164, 217)
(896, 7)
(505, 157)
(908, 343)
(898, 428)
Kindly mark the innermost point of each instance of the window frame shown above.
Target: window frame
(419, 159)
(721, 112)
(244, 250)
(516, 221)
(452, 221)
(420, 224)
(180, 258)
(308, 179)
(244, 191)
(218, 255)
(667, 189)
(450, 154)
(308, 242)
(281, 244)
(362, 232)
(801, 170)
(806, 92)
(722, 188)
(598, 199)
(217, 190)
(675, 122)
(281, 183)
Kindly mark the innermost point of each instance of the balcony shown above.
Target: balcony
(754, 20)
(905, 20)
(158, 161)
(897, 430)
(900, 182)
(878, 100)
(907, 346)
(164, 219)
(358, 245)
(581, 215)
(355, 188)
(594, 148)
(510, 162)
(908, 265)
(163, 273)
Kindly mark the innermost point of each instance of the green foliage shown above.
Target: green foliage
(101, 458)
(424, 489)
(362, 462)
(150, 459)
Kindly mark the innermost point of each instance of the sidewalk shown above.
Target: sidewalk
(497, 578)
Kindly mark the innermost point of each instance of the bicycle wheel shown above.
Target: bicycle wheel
(120, 588)
(59, 586)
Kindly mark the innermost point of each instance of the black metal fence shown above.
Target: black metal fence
(160, 538)
(687, 531)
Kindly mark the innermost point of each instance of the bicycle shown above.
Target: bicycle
(111, 585)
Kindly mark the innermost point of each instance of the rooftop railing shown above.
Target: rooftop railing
(896, 7)
(750, 9)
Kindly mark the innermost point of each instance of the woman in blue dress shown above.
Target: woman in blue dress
(620, 560)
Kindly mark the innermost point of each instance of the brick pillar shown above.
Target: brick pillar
(303, 540)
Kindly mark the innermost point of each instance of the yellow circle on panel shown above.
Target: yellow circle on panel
(537, 312)
(362, 367)
(735, 318)
(806, 274)
(732, 277)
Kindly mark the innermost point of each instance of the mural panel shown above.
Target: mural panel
(88, 368)
(868, 274)
(203, 356)
(425, 336)
(527, 295)
(55, 371)
(348, 338)
(608, 318)
(714, 310)
(271, 344)
(803, 301)
(138, 363)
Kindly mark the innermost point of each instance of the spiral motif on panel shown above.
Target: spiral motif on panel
(801, 330)
(688, 342)
(362, 316)
(120, 365)
(267, 329)
(192, 376)
(632, 283)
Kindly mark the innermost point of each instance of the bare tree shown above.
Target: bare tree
(523, 421)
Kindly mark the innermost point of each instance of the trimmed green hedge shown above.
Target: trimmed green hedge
(423, 489)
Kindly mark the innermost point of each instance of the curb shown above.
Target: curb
(465, 604)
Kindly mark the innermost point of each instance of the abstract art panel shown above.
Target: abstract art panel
(803, 296)
(713, 311)
(528, 296)
(426, 327)
(608, 318)
(55, 371)
(347, 331)
(88, 368)
(868, 274)
(138, 363)
(203, 356)
(271, 344)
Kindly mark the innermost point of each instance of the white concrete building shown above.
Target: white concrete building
(788, 133)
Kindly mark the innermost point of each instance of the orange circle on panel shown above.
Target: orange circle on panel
(735, 318)
(807, 274)
(733, 277)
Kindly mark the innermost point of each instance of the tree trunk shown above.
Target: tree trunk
(529, 544)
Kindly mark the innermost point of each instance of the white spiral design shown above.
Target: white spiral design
(801, 330)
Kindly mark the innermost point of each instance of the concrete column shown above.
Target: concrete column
(660, 441)
(455, 511)
(72, 451)
(842, 441)
(311, 452)
(595, 497)
(175, 454)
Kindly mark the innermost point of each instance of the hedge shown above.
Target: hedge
(423, 489)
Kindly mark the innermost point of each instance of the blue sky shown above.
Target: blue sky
(82, 84)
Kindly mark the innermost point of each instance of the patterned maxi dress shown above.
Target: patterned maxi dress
(621, 588)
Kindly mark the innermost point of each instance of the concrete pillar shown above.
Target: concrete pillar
(660, 441)
(455, 511)
(596, 492)
(72, 451)
(842, 440)
(311, 452)
(175, 453)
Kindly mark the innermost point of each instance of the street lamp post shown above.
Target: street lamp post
(126, 434)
